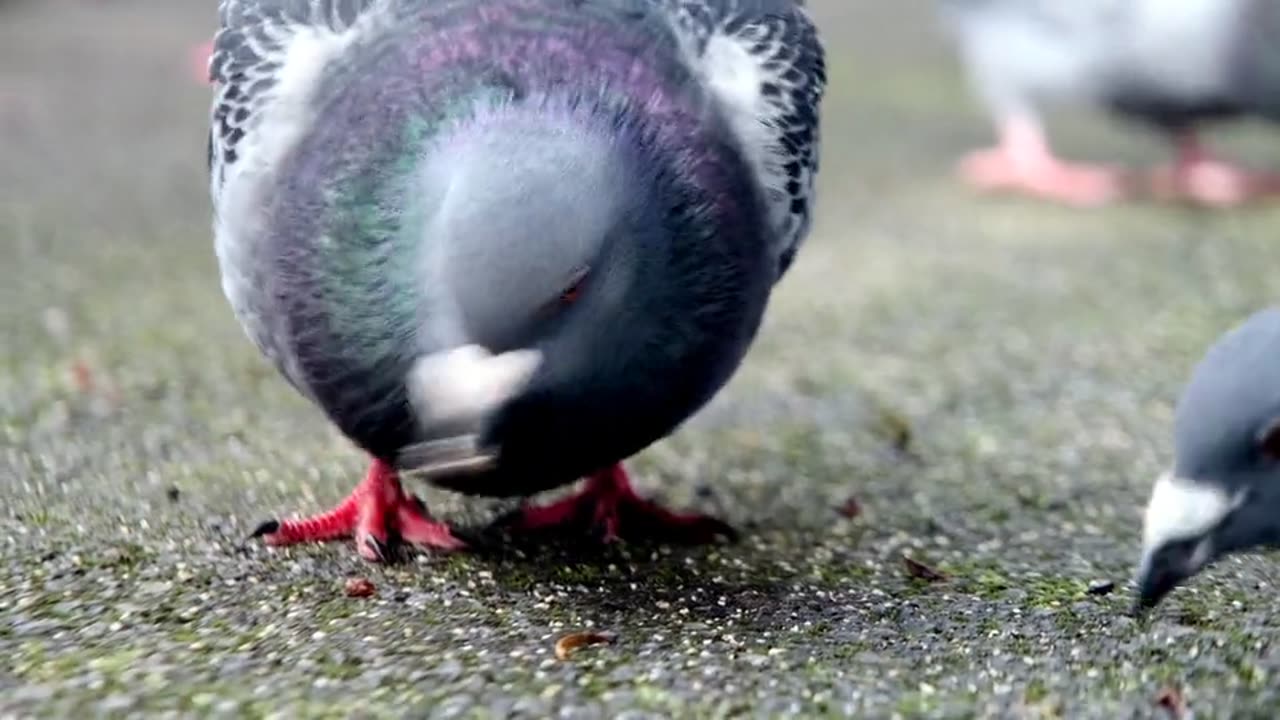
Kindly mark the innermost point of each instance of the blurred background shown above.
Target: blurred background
(989, 380)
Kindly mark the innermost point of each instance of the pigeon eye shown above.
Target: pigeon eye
(574, 289)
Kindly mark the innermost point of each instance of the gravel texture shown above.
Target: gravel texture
(990, 380)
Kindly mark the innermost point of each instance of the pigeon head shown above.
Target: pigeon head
(1223, 494)
(599, 291)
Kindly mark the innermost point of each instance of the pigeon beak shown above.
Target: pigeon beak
(1155, 581)
(456, 456)
(1165, 568)
(452, 393)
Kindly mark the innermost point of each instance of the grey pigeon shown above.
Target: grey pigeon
(1222, 494)
(506, 244)
(1171, 66)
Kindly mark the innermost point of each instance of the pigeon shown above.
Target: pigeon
(1172, 67)
(505, 245)
(1222, 494)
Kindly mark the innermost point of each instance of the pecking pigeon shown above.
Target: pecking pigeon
(506, 244)
(1222, 494)
(1170, 65)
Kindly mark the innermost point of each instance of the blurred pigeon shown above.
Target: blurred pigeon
(198, 60)
(506, 244)
(1170, 65)
(1223, 493)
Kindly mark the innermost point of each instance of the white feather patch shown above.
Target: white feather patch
(238, 200)
(466, 383)
(289, 113)
(1181, 509)
(735, 77)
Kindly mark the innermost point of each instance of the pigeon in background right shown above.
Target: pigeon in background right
(1173, 66)
(1221, 494)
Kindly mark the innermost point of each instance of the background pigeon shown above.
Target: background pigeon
(1170, 65)
(515, 241)
(198, 60)
(1223, 492)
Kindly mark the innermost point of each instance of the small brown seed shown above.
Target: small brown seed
(567, 644)
(920, 571)
(360, 587)
(851, 508)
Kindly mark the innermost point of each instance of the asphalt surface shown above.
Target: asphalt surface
(991, 380)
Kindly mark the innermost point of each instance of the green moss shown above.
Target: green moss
(1036, 691)
(986, 583)
(915, 705)
(121, 556)
(842, 575)
(37, 517)
(989, 581)
(1053, 591)
(1249, 673)
(657, 699)
(802, 449)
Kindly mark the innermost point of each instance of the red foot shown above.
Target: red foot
(608, 503)
(1022, 162)
(377, 507)
(1199, 177)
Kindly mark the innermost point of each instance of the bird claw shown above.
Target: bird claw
(373, 549)
(376, 513)
(609, 510)
(266, 527)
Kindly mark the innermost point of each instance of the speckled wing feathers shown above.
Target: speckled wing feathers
(774, 103)
(249, 52)
(761, 58)
(268, 56)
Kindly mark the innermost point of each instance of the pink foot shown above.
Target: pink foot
(1022, 162)
(609, 504)
(1199, 177)
(1045, 178)
(376, 509)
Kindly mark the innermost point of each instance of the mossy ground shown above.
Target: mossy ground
(991, 379)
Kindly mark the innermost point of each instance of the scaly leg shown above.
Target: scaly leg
(609, 504)
(377, 509)
(1022, 161)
